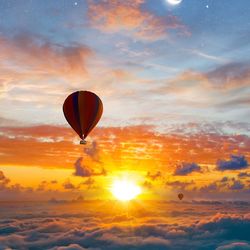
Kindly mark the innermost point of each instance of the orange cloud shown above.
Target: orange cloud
(224, 78)
(128, 16)
(29, 63)
(118, 148)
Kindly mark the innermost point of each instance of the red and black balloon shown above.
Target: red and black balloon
(83, 110)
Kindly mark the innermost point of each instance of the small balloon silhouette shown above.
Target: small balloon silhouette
(180, 196)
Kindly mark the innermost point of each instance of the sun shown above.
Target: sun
(125, 190)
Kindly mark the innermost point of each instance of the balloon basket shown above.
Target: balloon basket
(83, 142)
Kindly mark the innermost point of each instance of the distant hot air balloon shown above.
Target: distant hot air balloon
(180, 196)
(82, 110)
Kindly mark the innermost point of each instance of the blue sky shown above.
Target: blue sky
(186, 60)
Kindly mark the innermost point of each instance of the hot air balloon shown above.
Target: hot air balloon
(82, 110)
(180, 196)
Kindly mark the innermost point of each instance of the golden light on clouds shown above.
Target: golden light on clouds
(125, 190)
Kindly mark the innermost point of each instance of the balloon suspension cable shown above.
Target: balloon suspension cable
(83, 142)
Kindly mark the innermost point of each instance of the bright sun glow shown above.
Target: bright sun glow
(125, 190)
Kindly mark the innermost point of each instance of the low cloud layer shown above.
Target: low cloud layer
(171, 226)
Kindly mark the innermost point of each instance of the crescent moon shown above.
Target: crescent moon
(174, 2)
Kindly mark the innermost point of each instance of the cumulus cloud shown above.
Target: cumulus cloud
(235, 163)
(186, 168)
(85, 171)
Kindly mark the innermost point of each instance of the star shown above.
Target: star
(207, 6)
(75, 3)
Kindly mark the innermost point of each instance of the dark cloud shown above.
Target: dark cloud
(235, 163)
(147, 184)
(85, 171)
(212, 187)
(243, 175)
(69, 185)
(89, 182)
(224, 179)
(237, 185)
(154, 176)
(3, 180)
(187, 168)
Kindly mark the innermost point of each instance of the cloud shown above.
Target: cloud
(36, 56)
(33, 68)
(98, 226)
(237, 185)
(85, 171)
(179, 185)
(243, 175)
(212, 187)
(147, 185)
(225, 87)
(71, 247)
(154, 176)
(235, 246)
(129, 18)
(187, 168)
(118, 144)
(93, 151)
(68, 185)
(230, 76)
(89, 182)
(3, 179)
(235, 163)
(224, 179)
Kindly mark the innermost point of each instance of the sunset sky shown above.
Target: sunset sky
(174, 81)
(175, 85)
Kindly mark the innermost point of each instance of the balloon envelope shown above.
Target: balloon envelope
(180, 196)
(82, 110)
